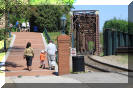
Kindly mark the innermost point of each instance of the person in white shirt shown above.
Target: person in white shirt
(28, 26)
(51, 53)
(23, 26)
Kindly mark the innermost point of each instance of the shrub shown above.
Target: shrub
(1, 34)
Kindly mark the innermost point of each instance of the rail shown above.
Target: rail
(47, 37)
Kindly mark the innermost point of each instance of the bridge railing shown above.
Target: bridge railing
(114, 40)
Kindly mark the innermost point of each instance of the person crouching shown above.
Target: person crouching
(42, 59)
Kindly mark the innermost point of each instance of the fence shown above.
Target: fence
(116, 39)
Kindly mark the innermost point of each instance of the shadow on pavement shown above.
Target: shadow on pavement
(18, 47)
(55, 73)
(11, 64)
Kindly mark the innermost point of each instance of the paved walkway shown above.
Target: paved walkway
(16, 65)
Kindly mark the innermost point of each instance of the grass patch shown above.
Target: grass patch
(53, 36)
(79, 72)
(1, 47)
(101, 54)
(1, 56)
(8, 41)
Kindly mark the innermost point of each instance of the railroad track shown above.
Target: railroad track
(97, 66)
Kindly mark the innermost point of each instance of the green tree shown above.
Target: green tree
(48, 16)
(51, 2)
(11, 10)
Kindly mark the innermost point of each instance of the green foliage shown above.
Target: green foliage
(19, 13)
(48, 13)
(13, 29)
(130, 27)
(48, 16)
(51, 2)
(53, 36)
(69, 2)
(1, 15)
(101, 38)
(13, 10)
(1, 34)
(90, 45)
(117, 25)
(2, 5)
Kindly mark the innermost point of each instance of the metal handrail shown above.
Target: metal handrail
(46, 34)
(48, 38)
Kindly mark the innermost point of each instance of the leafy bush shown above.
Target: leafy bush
(50, 17)
(4, 34)
(1, 34)
(13, 29)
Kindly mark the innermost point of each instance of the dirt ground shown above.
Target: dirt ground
(121, 59)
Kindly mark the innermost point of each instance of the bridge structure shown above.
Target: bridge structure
(85, 29)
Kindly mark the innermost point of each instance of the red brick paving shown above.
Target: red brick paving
(15, 59)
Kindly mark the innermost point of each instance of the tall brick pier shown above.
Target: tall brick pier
(64, 54)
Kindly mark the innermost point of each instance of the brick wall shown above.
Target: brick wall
(63, 54)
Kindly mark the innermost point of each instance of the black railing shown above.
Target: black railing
(47, 37)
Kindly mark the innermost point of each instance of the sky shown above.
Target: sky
(106, 12)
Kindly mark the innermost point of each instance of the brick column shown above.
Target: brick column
(63, 54)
